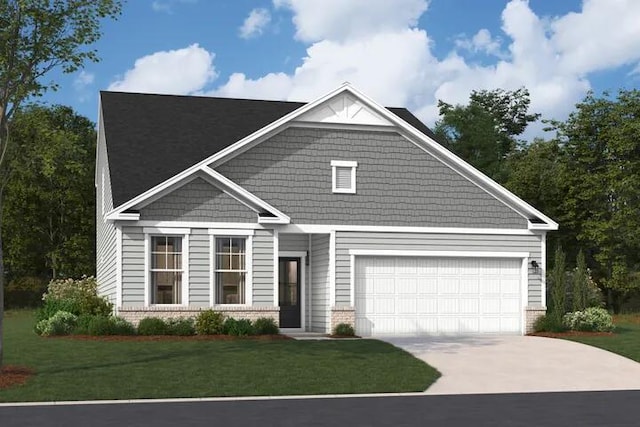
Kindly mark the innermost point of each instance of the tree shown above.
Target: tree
(580, 292)
(558, 287)
(37, 36)
(49, 202)
(601, 144)
(484, 132)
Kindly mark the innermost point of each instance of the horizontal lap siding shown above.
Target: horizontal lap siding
(433, 242)
(319, 282)
(263, 268)
(199, 264)
(132, 266)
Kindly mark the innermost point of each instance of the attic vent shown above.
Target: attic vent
(343, 176)
(536, 221)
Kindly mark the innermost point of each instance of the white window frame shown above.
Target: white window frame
(343, 164)
(150, 232)
(247, 234)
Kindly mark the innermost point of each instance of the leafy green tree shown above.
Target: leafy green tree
(36, 37)
(50, 200)
(601, 144)
(484, 131)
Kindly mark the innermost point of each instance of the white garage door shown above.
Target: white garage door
(420, 295)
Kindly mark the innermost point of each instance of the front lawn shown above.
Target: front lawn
(70, 369)
(625, 341)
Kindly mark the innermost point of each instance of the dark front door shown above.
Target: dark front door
(289, 290)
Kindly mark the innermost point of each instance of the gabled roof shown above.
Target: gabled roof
(151, 138)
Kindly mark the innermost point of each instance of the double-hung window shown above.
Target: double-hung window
(166, 270)
(231, 270)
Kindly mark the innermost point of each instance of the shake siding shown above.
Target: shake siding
(320, 282)
(132, 267)
(199, 264)
(105, 231)
(397, 183)
(432, 242)
(198, 201)
(263, 268)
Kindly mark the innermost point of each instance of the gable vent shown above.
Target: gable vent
(343, 178)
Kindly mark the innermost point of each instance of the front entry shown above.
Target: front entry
(289, 292)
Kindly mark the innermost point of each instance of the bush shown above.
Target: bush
(594, 319)
(75, 296)
(209, 322)
(548, 323)
(238, 327)
(265, 326)
(181, 326)
(344, 329)
(24, 292)
(61, 323)
(109, 325)
(82, 325)
(153, 326)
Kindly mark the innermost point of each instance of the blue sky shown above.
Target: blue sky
(402, 52)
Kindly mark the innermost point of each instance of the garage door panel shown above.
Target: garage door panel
(413, 295)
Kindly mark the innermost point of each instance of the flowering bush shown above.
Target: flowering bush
(79, 296)
(591, 319)
(61, 323)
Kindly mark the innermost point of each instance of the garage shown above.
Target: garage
(402, 295)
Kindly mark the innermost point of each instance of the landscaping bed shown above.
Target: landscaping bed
(146, 338)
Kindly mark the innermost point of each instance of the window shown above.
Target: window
(230, 270)
(343, 176)
(166, 269)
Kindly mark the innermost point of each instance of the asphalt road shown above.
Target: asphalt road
(611, 408)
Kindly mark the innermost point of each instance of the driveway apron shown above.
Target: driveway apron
(512, 364)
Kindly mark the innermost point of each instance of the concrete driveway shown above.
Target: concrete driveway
(512, 364)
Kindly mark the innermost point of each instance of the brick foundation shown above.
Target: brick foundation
(135, 314)
(343, 315)
(532, 314)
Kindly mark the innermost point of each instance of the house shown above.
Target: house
(334, 211)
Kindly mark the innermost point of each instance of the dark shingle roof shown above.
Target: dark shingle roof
(151, 138)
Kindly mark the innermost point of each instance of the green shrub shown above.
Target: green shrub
(153, 326)
(82, 325)
(209, 322)
(265, 326)
(181, 326)
(75, 296)
(548, 323)
(344, 329)
(61, 323)
(109, 325)
(24, 292)
(238, 327)
(594, 319)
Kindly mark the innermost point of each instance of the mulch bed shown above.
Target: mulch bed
(571, 334)
(343, 336)
(14, 375)
(146, 338)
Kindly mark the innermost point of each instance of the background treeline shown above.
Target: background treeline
(585, 174)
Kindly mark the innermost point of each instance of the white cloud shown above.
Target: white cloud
(166, 6)
(339, 20)
(255, 23)
(181, 71)
(483, 42)
(83, 79)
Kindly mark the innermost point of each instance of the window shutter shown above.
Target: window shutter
(343, 178)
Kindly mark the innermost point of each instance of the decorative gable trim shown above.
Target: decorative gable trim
(344, 109)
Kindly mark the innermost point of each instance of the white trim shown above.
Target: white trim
(231, 232)
(524, 293)
(248, 260)
(324, 229)
(185, 269)
(276, 273)
(453, 254)
(147, 279)
(533, 226)
(340, 126)
(543, 269)
(122, 216)
(166, 230)
(212, 269)
(352, 280)
(309, 248)
(194, 224)
(344, 163)
(332, 271)
(118, 268)
(303, 271)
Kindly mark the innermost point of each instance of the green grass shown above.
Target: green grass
(68, 369)
(625, 341)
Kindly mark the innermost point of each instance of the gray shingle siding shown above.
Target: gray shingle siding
(199, 268)
(198, 201)
(263, 268)
(293, 242)
(106, 270)
(320, 282)
(132, 267)
(433, 242)
(397, 182)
